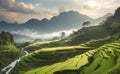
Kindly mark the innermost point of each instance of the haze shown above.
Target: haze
(22, 10)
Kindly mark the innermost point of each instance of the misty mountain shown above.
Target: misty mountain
(4, 26)
(22, 38)
(103, 18)
(63, 21)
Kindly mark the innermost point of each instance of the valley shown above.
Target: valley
(91, 49)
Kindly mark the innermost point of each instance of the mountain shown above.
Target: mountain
(22, 38)
(97, 55)
(63, 21)
(4, 26)
(117, 12)
(109, 27)
(103, 18)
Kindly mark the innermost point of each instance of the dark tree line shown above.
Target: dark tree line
(6, 37)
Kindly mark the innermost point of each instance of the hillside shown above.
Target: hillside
(44, 58)
(103, 60)
(93, 50)
(109, 27)
(103, 18)
(8, 51)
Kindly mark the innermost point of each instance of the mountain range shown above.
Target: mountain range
(63, 21)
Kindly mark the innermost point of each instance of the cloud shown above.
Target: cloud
(11, 12)
(26, 32)
(11, 17)
(21, 7)
(98, 8)
(22, 10)
(7, 16)
(62, 9)
(90, 7)
(33, 34)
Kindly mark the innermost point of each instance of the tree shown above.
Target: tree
(62, 34)
(55, 38)
(85, 24)
(6, 37)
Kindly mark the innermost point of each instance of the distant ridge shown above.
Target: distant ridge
(64, 21)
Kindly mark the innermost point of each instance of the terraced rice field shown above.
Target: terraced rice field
(48, 56)
(103, 60)
(71, 64)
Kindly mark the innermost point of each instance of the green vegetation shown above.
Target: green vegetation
(102, 60)
(91, 50)
(87, 23)
(6, 37)
(43, 44)
(47, 56)
(8, 51)
(86, 34)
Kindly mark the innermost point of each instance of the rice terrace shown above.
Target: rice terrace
(59, 37)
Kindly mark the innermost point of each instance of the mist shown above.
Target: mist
(35, 35)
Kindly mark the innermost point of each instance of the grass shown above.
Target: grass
(95, 56)
(104, 62)
(66, 48)
(115, 69)
(43, 44)
(8, 48)
(9, 53)
(47, 56)
(68, 64)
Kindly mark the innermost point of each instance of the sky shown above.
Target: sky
(22, 10)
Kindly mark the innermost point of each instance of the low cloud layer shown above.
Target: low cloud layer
(35, 35)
